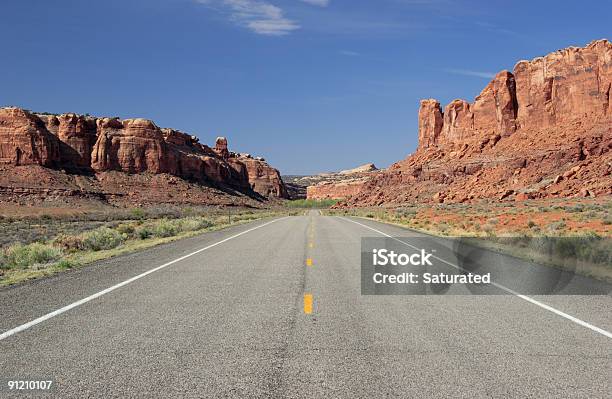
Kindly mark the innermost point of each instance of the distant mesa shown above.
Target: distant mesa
(74, 155)
(541, 131)
(368, 167)
(330, 185)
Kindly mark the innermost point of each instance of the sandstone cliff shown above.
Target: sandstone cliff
(543, 130)
(88, 146)
(339, 185)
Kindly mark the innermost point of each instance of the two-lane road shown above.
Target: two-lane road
(223, 315)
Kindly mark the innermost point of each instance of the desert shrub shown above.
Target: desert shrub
(531, 224)
(556, 226)
(443, 227)
(489, 229)
(21, 256)
(102, 238)
(65, 264)
(406, 213)
(138, 213)
(126, 229)
(144, 232)
(166, 228)
(69, 243)
(193, 224)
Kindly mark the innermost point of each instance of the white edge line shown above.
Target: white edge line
(508, 290)
(80, 302)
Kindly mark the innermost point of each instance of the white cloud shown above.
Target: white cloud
(320, 3)
(466, 72)
(257, 15)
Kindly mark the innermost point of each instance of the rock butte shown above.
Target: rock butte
(541, 131)
(87, 146)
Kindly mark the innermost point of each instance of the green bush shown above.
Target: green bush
(166, 228)
(126, 229)
(21, 256)
(144, 232)
(138, 213)
(65, 264)
(102, 238)
(194, 224)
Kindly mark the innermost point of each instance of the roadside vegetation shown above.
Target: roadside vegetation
(572, 234)
(43, 245)
(310, 203)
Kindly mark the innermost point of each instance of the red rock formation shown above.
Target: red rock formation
(77, 135)
(564, 85)
(496, 107)
(330, 190)
(264, 179)
(458, 122)
(221, 147)
(430, 123)
(544, 130)
(24, 140)
(132, 146)
(339, 185)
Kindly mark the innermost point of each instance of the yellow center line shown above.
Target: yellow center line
(309, 262)
(308, 303)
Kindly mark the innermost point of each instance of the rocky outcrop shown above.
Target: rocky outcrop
(24, 140)
(76, 134)
(88, 145)
(431, 121)
(132, 146)
(543, 130)
(263, 178)
(221, 147)
(366, 168)
(338, 185)
(338, 190)
(564, 85)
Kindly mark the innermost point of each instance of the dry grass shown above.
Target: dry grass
(584, 223)
(23, 261)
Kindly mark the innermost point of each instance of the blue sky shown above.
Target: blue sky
(312, 85)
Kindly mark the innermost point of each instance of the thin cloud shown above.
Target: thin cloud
(467, 72)
(349, 53)
(320, 3)
(259, 16)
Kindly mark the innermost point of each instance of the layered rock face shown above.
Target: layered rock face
(494, 111)
(264, 179)
(331, 190)
(24, 140)
(339, 185)
(543, 130)
(87, 145)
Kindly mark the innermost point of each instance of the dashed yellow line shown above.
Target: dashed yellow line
(308, 303)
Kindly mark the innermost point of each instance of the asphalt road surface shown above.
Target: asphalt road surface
(234, 320)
